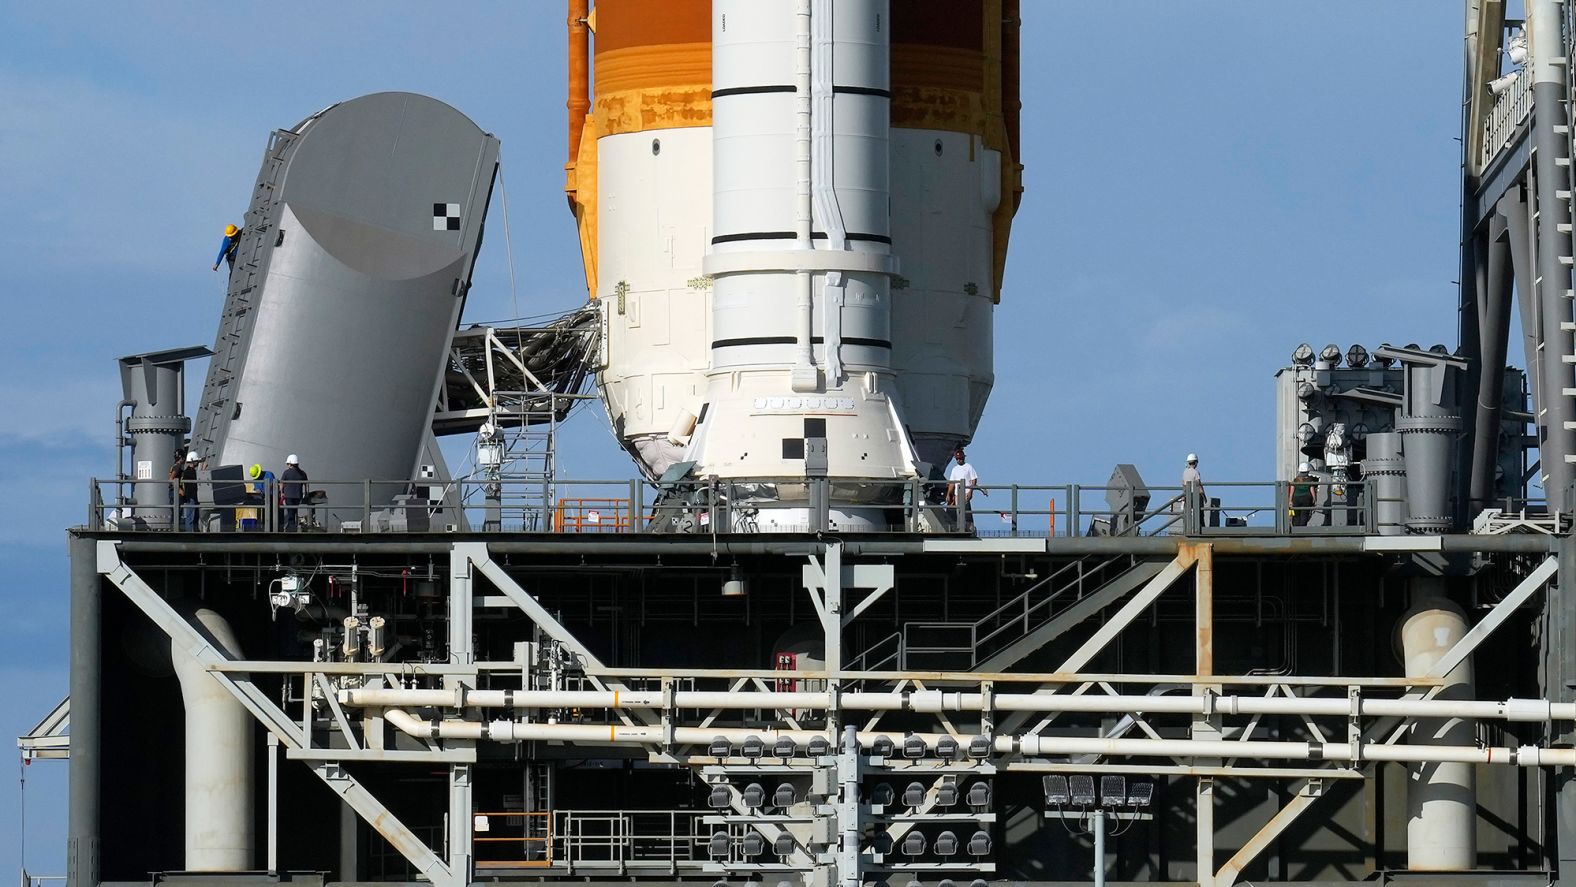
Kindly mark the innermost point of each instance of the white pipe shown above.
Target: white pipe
(822, 184)
(931, 701)
(220, 836)
(803, 375)
(1028, 746)
(1441, 828)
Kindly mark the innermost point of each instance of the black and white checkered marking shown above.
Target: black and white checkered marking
(445, 217)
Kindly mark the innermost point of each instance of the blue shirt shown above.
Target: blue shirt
(227, 246)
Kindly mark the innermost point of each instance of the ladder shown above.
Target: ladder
(216, 409)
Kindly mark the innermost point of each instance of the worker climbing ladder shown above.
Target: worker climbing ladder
(235, 324)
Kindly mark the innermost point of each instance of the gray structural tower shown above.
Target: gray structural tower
(154, 387)
(351, 273)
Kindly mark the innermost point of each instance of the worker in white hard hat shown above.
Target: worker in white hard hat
(1303, 494)
(1193, 485)
(190, 518)
(292, 490)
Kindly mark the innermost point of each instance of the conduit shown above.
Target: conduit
(1516, 710)
(1028, 746)
(803, 375)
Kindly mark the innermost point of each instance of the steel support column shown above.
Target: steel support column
(84, 792)
(1205, 726)
(1559, 634)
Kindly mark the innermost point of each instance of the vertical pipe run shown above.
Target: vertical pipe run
(220, 834)
(1385, 473)
(579, 103)
(83, 791)
(1493, 336)
(1551, 143)
(1441, 827)
(803, 375)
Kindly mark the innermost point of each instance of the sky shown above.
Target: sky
(1207, 185)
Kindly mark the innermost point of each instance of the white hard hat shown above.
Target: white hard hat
(1304, 467)
(193, 457)
(292, 460)
(1192, 457)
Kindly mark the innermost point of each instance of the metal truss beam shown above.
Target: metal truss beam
(1140, 602)
(188, 640)
(1306, 793)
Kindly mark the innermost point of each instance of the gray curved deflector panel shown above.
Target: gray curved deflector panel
(347, 288)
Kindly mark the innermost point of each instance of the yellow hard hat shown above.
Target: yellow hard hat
(230, 230)
(257, 471)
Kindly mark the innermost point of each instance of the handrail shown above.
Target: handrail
(623, 506)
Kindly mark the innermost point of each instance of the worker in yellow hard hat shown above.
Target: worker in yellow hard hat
(257, 491)
(232, 239)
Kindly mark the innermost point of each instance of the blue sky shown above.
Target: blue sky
(1208, 184)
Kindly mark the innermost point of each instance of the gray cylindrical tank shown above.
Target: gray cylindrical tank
(364, 256)
(154, 384)
(1384, 471)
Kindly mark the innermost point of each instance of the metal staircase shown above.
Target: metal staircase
(1016, 628)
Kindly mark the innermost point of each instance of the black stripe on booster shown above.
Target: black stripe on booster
(782, 88)
(789, 340)
(789, 235)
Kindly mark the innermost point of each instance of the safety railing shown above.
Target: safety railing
(627, 839)
(592, 515)
(1511, 108)
(712, 507)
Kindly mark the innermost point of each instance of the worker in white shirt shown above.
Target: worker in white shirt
(1193, 482)
(962, 480)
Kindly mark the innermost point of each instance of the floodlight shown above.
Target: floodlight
(979, 844)
(913, 747)
(913, 794)
(882, 747)
(947, 794)
(783, 797)
(1331, 355)
(1357, 357)
(753, 844)
(946, 747)
(784, 747)
(754, 747)
(914, 843)
(782, 845)
(1500, 84)
(1113, 790)
(979, 747)
(1056, 790)
(1140, 794)
(883, 795)
(819, 747)
(754, 796)
(979, 794)
(720, 748)
(1516, 50)
(1081, 789)
(946, 844)
(718, 845)
(719, 797)
(1303, 356)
